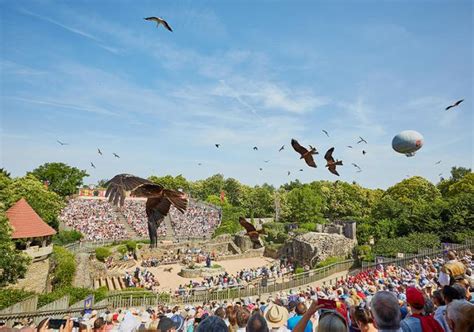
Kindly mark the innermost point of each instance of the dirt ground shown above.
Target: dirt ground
(171, 280)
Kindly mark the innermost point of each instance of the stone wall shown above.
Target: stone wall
(243, 242)
(312, 247)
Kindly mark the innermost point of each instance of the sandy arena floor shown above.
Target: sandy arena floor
(173, 280)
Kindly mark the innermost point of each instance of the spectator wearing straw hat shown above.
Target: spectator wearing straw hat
(452, 271)
(276, 317)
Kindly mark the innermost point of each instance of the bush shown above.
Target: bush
(299, 270)
(308, 226)
(65, 237)
(64, 267)
(329, 261)
(407, 244)
(9, 297)
(364, 252)
(215, 266)
(131, 245)
(76, 294)
(102, 253)
(122, 249)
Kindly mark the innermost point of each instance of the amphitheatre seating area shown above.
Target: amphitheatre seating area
(98, 220)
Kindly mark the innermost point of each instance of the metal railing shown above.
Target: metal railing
(422, 253)
(144, 299)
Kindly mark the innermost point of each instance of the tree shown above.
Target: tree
(304, 206)
(13, 263)
(412, 205)
(63, 179)
(101, 183)
(4, 172)
(457, 173)
(233, 191)
(46, 203)
(170, 182)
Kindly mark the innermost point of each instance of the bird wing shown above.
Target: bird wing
(310, 160)
(298, 148)
(328, 155)
(458, 102)
(120, 183)
(177, 198)
(153, 18)
(449, 107)
(166, 25)
(332, 169)
(282, 147)
(324, 131)
(248, 226)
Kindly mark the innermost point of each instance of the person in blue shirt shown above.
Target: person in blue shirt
(300, 310)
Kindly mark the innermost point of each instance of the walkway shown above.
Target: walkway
(131, 234)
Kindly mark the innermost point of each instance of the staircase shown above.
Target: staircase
(123, 220)
(112, 283)
(170, 235)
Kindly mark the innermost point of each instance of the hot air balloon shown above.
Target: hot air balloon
(407, 142)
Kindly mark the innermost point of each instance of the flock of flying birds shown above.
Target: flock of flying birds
(304, 153)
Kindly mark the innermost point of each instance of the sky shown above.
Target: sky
(95, 74)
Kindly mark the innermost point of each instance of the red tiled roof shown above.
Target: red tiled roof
(26, 222)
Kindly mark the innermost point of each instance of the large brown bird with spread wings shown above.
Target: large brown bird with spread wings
(331, 163)
(306, 154)
(251, 232)
(159, 200)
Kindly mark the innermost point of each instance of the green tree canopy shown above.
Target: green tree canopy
(13, 263)
(304, 206)
(63, 179)
(46, 203)
(171, 182)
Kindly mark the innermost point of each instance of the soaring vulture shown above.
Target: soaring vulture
(158, 202)
(251, 232)
(331, 163)
(306, 154)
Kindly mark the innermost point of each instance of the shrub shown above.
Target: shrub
(122, 249)
(76, 294)
(64, 267)
(299, 270)
(9, 296)
(131, 245)
(65, 237)
(407, 244)
(215, 266)
(364, 252)
(308, 226)
(330, 260)
(102, 253)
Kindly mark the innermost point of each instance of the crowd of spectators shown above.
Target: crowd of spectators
(430, 295)
(141, 278)
(199, 220)
(134, 212)
(94, 218)
(241, 278)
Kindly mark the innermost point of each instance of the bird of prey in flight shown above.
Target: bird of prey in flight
(255, 148)
(62, 143)
(159, 199)
(252, 232)
(282, 148)
(266, 161)
(364, 152)
(331, 163)
(159, 21)
(115, 155)
(306, 154)
(349, 146)
(455, 104)
(356, 166)
(361, 140)
(199, 164)
(438, 162)
(324, 131)
(217, 145)
(92, 164)
(261, 169)
(301, 170)
(289, 173)
(99, 152)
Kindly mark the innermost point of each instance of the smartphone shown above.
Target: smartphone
(328, 304)
(55, 324)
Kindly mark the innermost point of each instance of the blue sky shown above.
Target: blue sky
(239, 73)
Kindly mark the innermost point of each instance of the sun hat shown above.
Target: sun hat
(276, 315)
